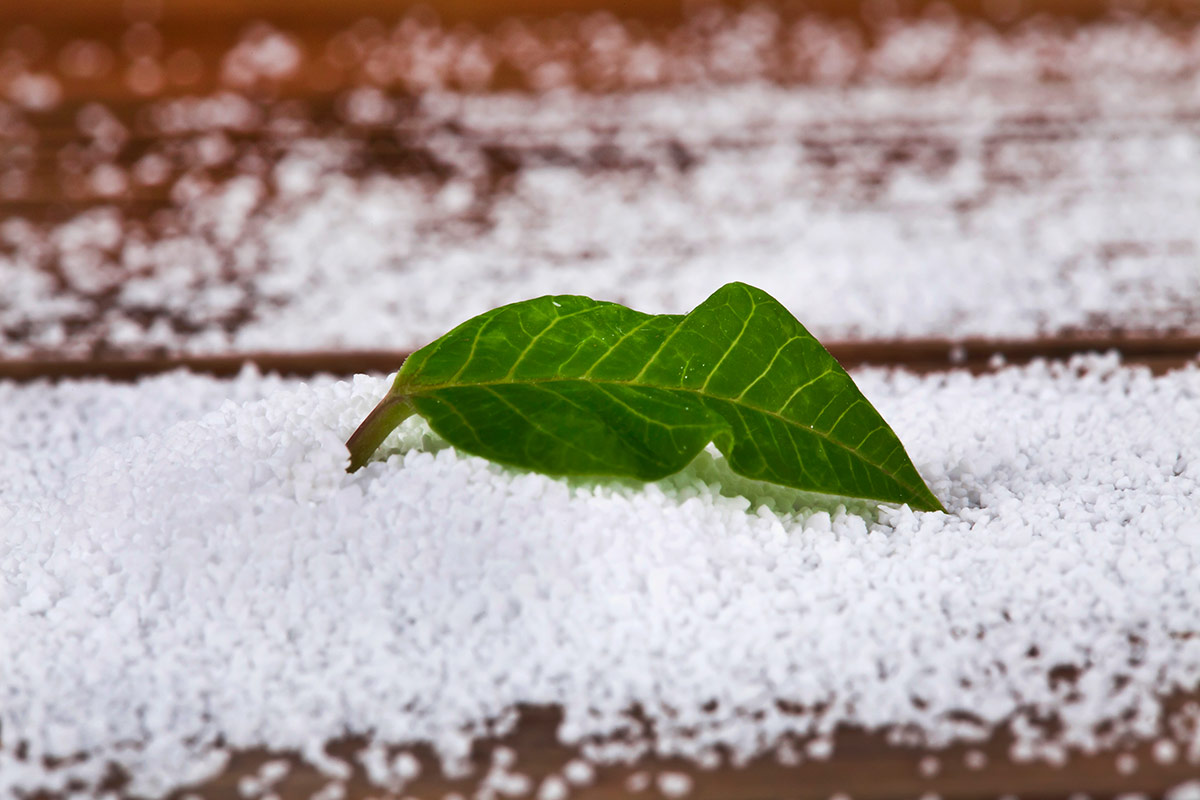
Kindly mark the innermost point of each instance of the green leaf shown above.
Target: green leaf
(567, 385)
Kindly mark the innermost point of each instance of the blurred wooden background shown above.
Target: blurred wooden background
(197, 15)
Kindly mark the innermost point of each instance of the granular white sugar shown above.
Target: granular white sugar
(184, 572)
(45, 428)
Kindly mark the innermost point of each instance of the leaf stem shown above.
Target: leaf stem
(383, 419)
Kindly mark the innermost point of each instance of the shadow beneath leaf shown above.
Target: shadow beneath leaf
(708, 473)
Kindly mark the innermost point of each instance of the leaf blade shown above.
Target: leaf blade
(569, 385)
(831, 425)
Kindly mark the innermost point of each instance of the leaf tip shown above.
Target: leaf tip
(929, 502)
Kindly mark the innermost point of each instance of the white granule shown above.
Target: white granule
(332, 767)
(929, 766)
(334, 790)
(637, 782)
(512, 784)
(820, 749)
(263, 54)
(1186, 728)
(504, 757)
(36, 91)
(272, 772)
(406, 766)
(1190, 790)
(1165, 751)
(674, 784)
(553, 788)
(374, 761)
(579, 772)
(249, 786)
(975, 759)
(205, 577)
(787, 755)
(500, 779)
(1126, 763)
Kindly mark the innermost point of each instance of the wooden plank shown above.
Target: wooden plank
(220, 13)
(850, 160)
(864, 766)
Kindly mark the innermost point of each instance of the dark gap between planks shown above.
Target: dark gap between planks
(917, 355)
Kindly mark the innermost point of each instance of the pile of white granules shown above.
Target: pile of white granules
(186, 562)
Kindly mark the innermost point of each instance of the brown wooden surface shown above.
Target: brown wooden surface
(864, 767)
(922, 356)
(200, 14)
(60, 156)
(58, 192)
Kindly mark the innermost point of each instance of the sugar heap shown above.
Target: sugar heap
(223, 579)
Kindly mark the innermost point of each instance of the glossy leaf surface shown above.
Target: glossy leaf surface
(567, 385)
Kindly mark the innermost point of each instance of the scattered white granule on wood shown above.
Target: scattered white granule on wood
(1126, 763)
(674, 784)
(637, 782)
(406, 766)
(205, 571)
(1165, 751)
(856, 226)
(819, 749)
(249, 786)
(36, 91)
(272, 772)
(501, 779)
(579, 772)
(374, 761)
(334, 790)
(553, 788)
(1189, 790)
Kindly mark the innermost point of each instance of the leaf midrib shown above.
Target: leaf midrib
(826, 435)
